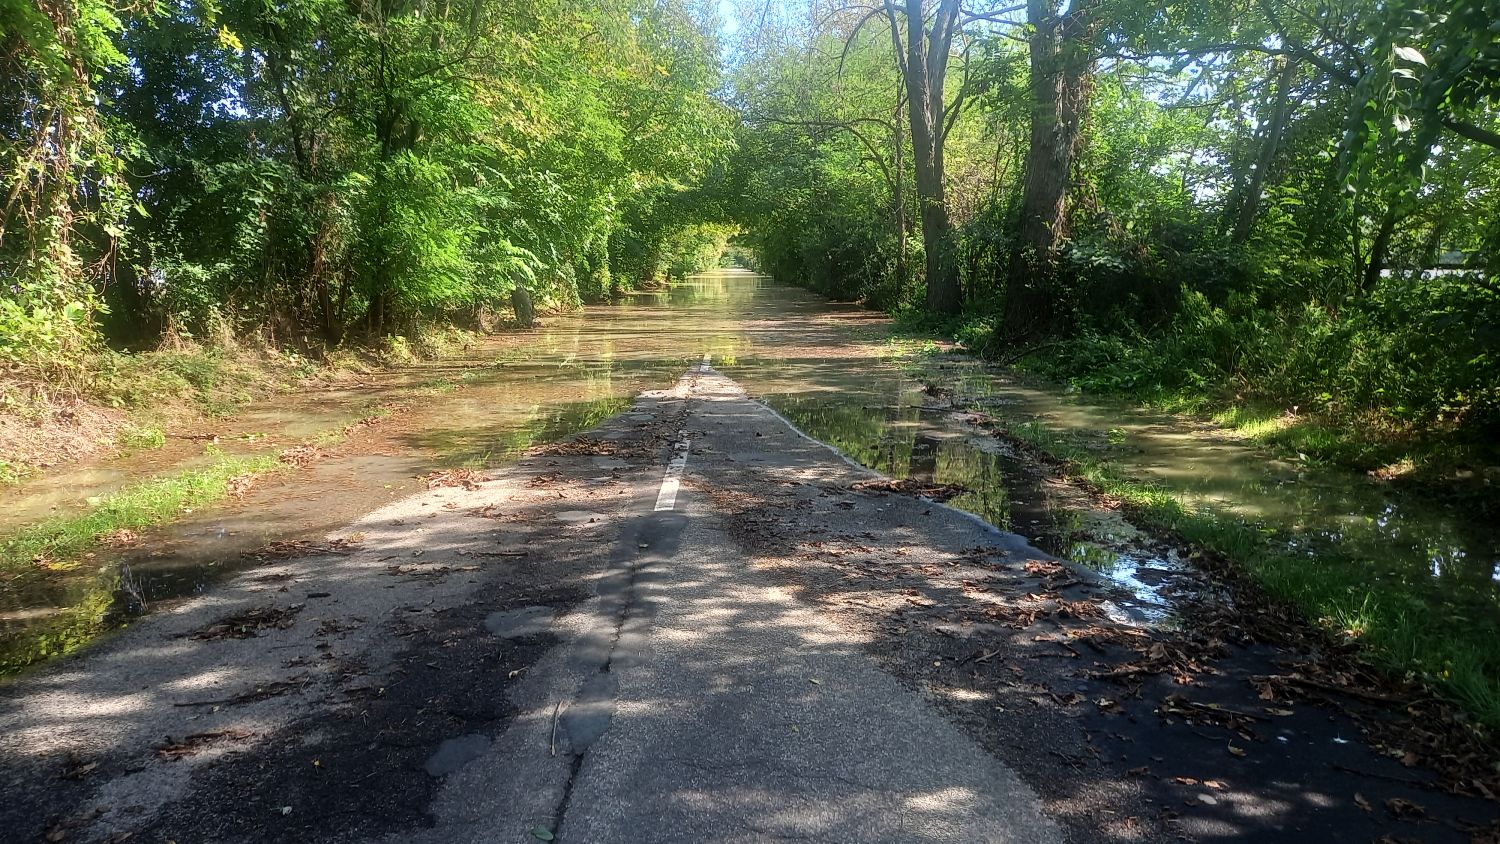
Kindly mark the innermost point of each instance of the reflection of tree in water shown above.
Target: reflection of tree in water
(881, 436)
(984, 474)
(893, 439)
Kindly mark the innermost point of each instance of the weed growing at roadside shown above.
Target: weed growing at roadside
(140, 438)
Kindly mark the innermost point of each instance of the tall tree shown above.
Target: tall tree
(922, 57)
(1062, 62)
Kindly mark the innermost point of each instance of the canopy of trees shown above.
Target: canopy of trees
(1278, 197)
(312, 169)
(1275, 197)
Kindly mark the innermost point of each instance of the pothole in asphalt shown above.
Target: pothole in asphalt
(455, 753)
(522, 621)
(580, 517)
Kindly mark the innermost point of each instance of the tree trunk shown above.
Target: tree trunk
(1250, 202)
(1061, 83)
(924, 67)
(898, 189)
(1380, 249)
(520, 299)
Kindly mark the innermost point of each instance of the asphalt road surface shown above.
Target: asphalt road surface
(648, 633)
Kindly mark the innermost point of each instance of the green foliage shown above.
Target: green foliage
(140, 438)
(1419, 352)
(313, 171)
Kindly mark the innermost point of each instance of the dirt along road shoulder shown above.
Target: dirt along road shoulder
(691, 623)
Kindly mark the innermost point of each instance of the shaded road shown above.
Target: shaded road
(560, 651)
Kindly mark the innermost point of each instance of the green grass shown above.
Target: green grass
(63, 544)
(134, 437)
(1400, 631)
(58, 543)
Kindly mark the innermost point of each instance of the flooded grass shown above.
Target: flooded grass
(57, 542)
(1449, 644)
(34, 559)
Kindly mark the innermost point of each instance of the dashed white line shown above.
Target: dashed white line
(666, 498)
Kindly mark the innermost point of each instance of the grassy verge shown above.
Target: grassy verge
(1450, 650)
(58, 543)
(110, 401)
(1369, 441)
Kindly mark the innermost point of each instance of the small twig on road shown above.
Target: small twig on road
(1415, 783)
(552, 741)
(986, 657)
(1316, 685)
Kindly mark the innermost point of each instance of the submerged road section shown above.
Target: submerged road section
(571, 649)
(690, 623)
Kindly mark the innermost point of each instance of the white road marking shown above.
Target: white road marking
(666, 498)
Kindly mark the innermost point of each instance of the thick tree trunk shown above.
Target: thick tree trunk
(1061, 83)
(1275, 127)
(924, 66)
(520, 299)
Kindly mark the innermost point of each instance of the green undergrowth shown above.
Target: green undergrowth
(1401, 631)
(1318, 431)
(1288, 397)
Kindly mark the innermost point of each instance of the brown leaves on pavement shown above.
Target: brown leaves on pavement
(469, 479)
(249, 623)
(912, 486)
(302, 456)
(198, 742)
(287, 549)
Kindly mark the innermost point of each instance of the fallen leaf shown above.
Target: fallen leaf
(1236, 751)
(1405, 808)
(542, 833)
(1184, 780)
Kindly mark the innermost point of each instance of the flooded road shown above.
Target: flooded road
(831, 369)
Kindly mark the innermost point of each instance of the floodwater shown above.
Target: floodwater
(832, 369)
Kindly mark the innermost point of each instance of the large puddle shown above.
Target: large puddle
(827, 367)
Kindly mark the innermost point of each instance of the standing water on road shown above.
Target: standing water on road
(831, 369)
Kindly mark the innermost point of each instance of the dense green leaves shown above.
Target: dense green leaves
(317, 168)
(1283, 201)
